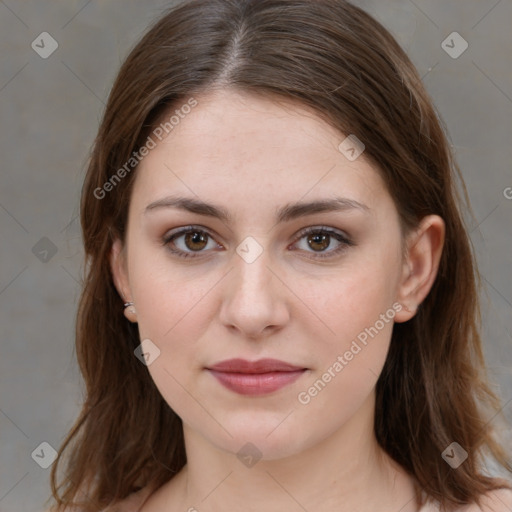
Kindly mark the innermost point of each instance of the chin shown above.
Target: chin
(261, 438)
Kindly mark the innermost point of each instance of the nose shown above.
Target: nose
(254, 300)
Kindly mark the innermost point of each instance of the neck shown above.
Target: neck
(345, 472)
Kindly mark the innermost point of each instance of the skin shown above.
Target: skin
(252, 156)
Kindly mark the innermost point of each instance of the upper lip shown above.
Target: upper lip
(259, 366)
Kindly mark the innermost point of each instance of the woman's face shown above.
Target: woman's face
(252, 285)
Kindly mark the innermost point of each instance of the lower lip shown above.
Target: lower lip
(256, 383)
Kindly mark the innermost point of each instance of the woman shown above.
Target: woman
(271, 204)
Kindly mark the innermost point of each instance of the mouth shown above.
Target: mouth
(255, 377)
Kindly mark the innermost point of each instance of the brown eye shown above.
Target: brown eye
(319, 242)
(320, 239)
(195, 240)
(185, 242)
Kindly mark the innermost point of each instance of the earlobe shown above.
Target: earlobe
(421, 264)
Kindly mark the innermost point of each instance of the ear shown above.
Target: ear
(118, 267)
(424, 247)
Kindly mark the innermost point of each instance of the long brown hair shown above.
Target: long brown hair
(333, 57)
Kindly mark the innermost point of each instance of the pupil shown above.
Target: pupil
(196, 237)
(319, 239)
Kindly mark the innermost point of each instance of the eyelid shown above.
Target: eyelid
(323, 229)
(192, 227)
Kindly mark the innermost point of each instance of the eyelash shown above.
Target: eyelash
(345, 242)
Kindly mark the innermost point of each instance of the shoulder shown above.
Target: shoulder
(494, 501)
(135, 501)
(132, 503)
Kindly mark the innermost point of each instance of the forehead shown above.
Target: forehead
(229, 123)
(265, 150)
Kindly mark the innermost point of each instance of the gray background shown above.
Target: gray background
(50, 110)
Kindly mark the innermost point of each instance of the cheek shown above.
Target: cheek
(168, 296)
(173, 311)
(357, 313)
(175, 314)
(353, 298)
(350, 359)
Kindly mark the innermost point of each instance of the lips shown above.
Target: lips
(255, 377)
(260, 366)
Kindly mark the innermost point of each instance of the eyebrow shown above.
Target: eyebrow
(286, 213)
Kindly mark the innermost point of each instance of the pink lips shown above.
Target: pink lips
(255, 377)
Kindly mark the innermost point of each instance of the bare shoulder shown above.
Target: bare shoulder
(495, 501)
(132, 503)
